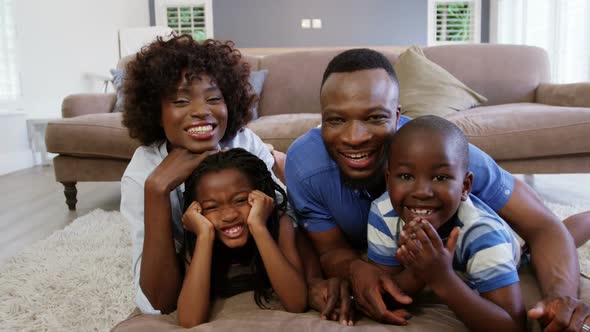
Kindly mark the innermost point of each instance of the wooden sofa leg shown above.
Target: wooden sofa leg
(70, 191)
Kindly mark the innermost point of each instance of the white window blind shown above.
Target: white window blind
(193, 17)
(454, 22)
(9, 82)
(560, 27)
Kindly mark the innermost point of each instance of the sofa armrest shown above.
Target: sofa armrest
(570, 95)
(87, 103)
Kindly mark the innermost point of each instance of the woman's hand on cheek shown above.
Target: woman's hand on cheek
(262, 206)
(176, 168)
(193, 220)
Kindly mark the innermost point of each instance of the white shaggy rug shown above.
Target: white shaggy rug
(79, 278)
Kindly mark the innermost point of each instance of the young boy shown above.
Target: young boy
(427, 227)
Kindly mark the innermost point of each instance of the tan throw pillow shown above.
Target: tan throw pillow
(426, 88)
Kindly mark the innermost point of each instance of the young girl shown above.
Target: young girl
(184, 100)
(232, 220)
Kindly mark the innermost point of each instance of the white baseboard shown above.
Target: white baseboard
(15, 161)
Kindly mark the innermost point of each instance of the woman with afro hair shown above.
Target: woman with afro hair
(184, 100)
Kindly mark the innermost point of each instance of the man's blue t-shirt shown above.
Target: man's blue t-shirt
(322, 201)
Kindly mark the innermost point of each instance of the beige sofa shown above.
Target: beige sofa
(528, 126)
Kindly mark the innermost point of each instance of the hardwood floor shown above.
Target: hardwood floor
(32, 206)
(32, 203)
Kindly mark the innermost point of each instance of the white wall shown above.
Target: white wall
(14, 150)
(60, 42)
(60, 45)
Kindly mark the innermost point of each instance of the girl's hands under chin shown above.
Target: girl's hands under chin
(193, 220)
(262, 206)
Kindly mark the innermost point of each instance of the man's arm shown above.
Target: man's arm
(555, 259)
(552, 249)
(368, 282)
(305, 195)
(404, 278)
(324, 295)
(334, 251)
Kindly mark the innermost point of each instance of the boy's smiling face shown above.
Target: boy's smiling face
(426, 177)
(195, 116)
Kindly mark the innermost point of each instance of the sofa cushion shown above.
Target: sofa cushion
(526, 130)
(281, 130)
(92, 135)
(256, 80)
(505, 74)
(293, 82)
(428, 89)
(573, 95)
(118, 77)
(241, 313)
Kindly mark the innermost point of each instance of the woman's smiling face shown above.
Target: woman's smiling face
(195, 116)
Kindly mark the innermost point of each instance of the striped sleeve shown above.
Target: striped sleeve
(490, 258)
(382, 243)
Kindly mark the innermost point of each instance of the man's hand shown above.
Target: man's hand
(369, 284)
(561, 314)
(332, 299)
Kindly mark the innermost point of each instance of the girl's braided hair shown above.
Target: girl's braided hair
(260, 178)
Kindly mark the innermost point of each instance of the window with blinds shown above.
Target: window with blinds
(192, 17)
(9, 82)
(454, 22)
(189, 20)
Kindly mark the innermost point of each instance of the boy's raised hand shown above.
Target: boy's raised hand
(193, 220)
(407, 231)
(262, 206)
(425, 253)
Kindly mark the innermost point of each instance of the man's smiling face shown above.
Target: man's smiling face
(359, 116)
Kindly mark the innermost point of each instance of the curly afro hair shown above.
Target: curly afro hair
(156, 72)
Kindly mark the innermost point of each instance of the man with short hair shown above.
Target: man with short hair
(334, 173)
